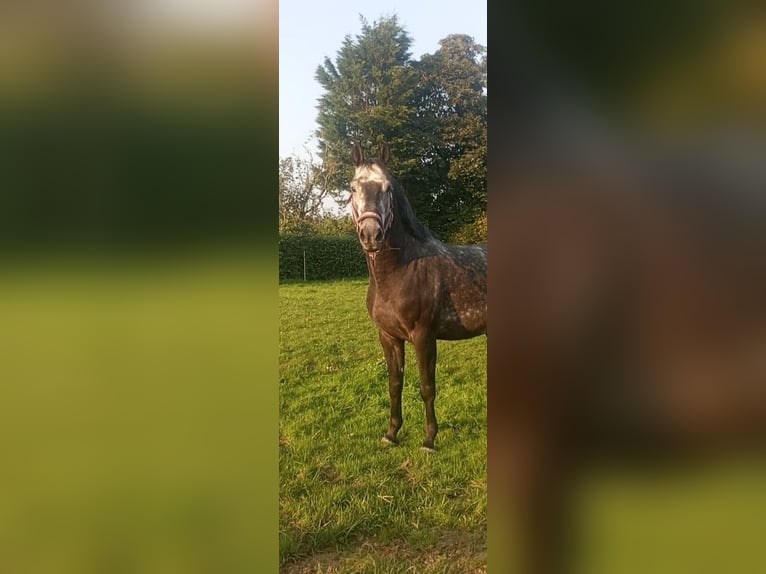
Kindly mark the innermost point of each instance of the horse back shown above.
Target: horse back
(440, 293)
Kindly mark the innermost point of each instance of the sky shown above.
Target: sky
(310, 31)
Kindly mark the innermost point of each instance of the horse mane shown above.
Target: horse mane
(403, 208)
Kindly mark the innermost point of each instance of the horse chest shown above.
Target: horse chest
(400, 315)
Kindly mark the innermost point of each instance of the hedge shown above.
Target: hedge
(327, 257)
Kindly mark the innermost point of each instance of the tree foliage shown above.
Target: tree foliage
(432, 112)
(455, 78)
(302, 191)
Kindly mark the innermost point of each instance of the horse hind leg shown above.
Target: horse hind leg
(426, 353)
(393, 351)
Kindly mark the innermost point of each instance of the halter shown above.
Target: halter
(358, 219)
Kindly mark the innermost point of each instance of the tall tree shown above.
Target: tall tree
(432, 113)
(454, 81)
(370, 97)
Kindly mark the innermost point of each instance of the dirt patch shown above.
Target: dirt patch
(453, 553)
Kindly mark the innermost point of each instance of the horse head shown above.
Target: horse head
(371, 199)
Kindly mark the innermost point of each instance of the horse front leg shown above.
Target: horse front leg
(393, 351)
(426, 353)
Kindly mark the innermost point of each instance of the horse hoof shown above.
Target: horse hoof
(428, 449)
(386, 440)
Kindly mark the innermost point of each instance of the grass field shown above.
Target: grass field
(138, 422)
(348, 502)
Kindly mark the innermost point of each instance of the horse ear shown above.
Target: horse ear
(385, 153)
(358, 155)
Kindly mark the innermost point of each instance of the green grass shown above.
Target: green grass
(138, 414)
(348, 502)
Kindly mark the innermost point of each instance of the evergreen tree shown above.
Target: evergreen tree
(370, 97)
(432, 113)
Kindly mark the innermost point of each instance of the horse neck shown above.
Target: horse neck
(393, 256)
(400, 246)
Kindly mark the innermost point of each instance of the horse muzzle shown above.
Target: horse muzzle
(369, 227)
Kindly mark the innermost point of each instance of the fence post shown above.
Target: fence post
(304, 265)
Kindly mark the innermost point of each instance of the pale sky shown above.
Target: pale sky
(309, 31)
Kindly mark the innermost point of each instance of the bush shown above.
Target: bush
(328, 225)
(327, 257)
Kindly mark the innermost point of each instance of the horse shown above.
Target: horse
(420, 289)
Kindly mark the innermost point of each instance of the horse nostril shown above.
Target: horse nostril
(379, 235)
